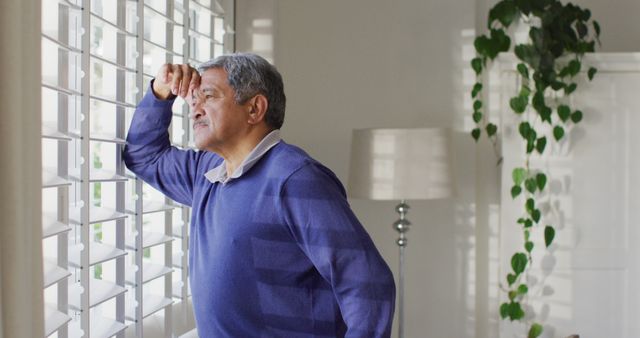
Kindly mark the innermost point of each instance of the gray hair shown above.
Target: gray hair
(249, 74)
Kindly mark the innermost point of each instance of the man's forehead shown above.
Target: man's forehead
(212, 79)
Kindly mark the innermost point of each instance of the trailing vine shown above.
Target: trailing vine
(548, 64)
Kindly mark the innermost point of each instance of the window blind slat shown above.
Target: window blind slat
(62, 45)
(52, 180)
(113, 63)
(97, 215)
(162, 15)
(150, 272)
(99, 253)
(157, 45)
(152, 304)
(53, 319)
(121, 30)
(150, 239)
(52, 227)
(52, 132)
(53, 273)
(107, 100)
(101, 291)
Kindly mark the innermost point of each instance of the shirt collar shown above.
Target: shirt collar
(219, 173)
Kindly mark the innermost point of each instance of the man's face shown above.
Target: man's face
(218, 121)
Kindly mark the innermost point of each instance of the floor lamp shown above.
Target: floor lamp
(400, 165)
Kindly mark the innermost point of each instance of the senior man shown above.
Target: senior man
(275, 250)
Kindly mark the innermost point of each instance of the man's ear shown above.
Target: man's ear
(257, 108)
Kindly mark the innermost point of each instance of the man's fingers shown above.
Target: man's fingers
(187, 74)
(195, 81)
(163, 73)
(177, 78)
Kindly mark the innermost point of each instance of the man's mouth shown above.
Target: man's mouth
(197, 125)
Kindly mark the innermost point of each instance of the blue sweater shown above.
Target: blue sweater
(275, 253)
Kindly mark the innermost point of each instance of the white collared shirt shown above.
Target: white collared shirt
(219, 173)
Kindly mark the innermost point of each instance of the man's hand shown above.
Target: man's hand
(175, 79)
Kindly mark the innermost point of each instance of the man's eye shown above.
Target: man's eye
(207, 97)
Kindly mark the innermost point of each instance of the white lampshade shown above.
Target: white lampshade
(398, 164)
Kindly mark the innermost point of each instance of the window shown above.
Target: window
(115, 250)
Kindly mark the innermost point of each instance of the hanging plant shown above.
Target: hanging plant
(549, 63)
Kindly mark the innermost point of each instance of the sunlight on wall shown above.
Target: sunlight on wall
(262, 38)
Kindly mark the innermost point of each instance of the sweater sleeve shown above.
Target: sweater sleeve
(321, 221)
(149, 154)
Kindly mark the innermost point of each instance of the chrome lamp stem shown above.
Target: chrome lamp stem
(401, 226)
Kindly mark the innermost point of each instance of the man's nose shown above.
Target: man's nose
(195, 106)
(196, 112)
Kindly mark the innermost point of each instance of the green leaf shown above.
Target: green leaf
(541, 144)
(505, 12)
(528, 54)
(515, 311)
(535, 215)
(518, 175)
(535, 331)
(504, 310)
(530, 146)
(477, 116)
(524, 128)
(477, 104)
(491, 129)
(564, 112)
(519, 104)
(530, 185)
(477, 88)
(528, 246)
(523, 289)
(527, 234)
(584, 47)
(545, 114)
(576, 116)
(511, 278)
(523, 70)
(538, 101)
(549, 234)
(596, 27)
(525, 91)
(574, 67)
(528, 223)
(591, 73)
(476, 64)
(501, 39)
(541, 180)
(529, 205)
(520, 220)
(531, 137)
(475, 133)
(570, 88)
(557, 85)
(515, 191)
(558, 133)
(518, 262)
(512, 295)
(491, 46)
(537, 37)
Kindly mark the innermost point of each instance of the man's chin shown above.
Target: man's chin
(199, 146)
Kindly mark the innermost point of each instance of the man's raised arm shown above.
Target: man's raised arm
(148, 152)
